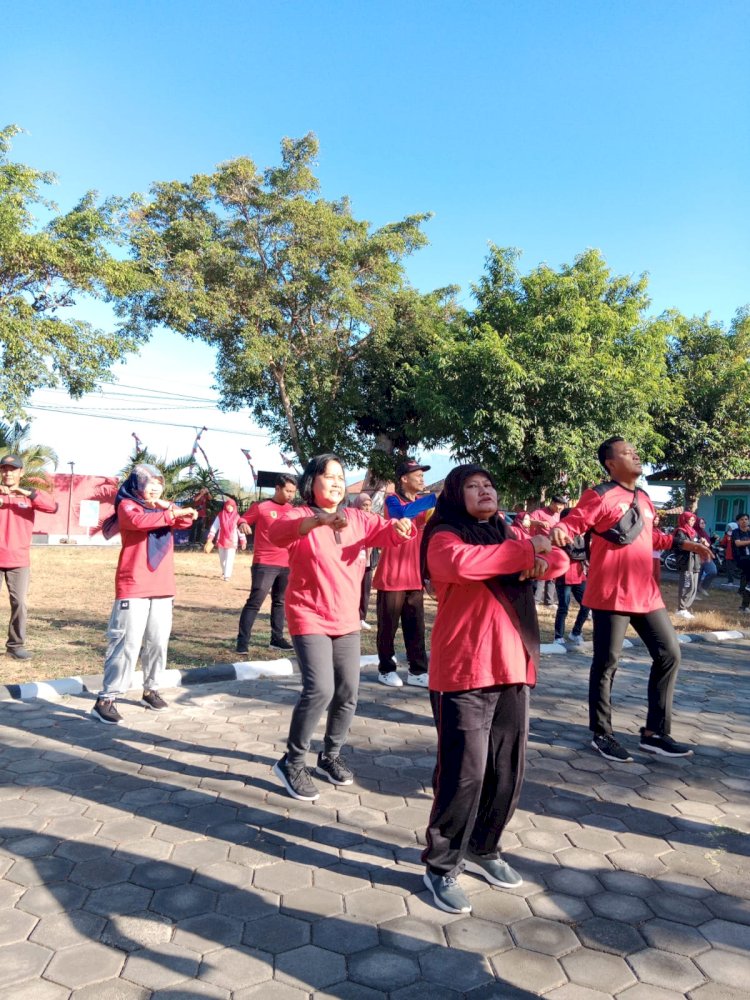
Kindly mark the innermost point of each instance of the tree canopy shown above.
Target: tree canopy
(284, 283)
(42, 270)
(552, 363)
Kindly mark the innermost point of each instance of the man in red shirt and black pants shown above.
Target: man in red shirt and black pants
(270, 571)
(17, 506)
(621, 591)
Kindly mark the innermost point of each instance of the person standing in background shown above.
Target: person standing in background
(542, 521)
(228, 537)
(363, 501)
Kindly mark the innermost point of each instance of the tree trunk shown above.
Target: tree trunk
(692, 496)
(289, 413)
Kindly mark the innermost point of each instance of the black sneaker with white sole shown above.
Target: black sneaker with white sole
(105, 711)
(607, 746)
(154, 701)
(665, 746)
(296, 779)
(335, 769)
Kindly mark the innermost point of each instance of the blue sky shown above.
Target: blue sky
(550, 126)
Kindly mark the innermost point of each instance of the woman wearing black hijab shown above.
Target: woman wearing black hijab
(484, 654)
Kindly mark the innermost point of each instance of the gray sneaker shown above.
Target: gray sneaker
(296, 779)
(493, 870)
(334, 769)
(447, 893)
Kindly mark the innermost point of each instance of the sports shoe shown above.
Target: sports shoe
(745, 611)
(335, 769)
(685, 614)
(391, 679)
(364, 626)
(105, 711)
(418, 680)
(154, 701)
(559, 641)
(447, 893)
(575, 640)
(18, 653)
(663, 745)
(607, 746)
(493, 870)
(703, 592)
(283, 644)
(296, 779)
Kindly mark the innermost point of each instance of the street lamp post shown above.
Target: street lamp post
(70, 500)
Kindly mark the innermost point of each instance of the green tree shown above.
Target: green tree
(284, 283)
(181, 478)
(42, 270)
(36, 458)
(552, 363)
(706, 424)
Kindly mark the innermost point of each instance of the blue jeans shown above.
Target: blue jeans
(707, 575)
(564, 590)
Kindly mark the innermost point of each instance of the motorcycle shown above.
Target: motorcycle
(669, 559)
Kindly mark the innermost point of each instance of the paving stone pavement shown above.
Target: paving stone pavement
(160, 859)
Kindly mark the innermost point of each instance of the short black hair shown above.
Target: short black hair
(315, 467)
(743, 514)
(283, 479)
(604, 451)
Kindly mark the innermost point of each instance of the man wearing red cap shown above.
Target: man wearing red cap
(398, 581)
(17, 506)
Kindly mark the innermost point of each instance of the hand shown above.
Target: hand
(540, 568)
(335, 520)
(183, 511)
(244, 528)
(404, 527)
(208, 547)
(559, 536)
(541, 544)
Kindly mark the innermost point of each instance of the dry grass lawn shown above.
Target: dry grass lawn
(72, 591)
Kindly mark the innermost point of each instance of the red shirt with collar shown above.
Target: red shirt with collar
(17, 526)
(549, 517)
(134, 577)
(400, 568)
(621, 577)
(263, 515)
(474, 642)
(325, 577)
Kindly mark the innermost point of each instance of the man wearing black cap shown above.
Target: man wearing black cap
(398, 581)
(17, 506)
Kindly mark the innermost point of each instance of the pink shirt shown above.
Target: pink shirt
(134, 577)
(325, 577)
(474, 641)
(263, 515)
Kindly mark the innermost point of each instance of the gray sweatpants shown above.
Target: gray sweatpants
(330, 680)
(17, 582)
(137, 625)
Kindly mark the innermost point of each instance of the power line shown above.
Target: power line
(139, 420)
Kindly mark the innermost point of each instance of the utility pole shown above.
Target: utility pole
(70, 499)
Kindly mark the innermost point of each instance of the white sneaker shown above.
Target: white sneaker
(418, 680)
(575, 640)
(685, 614)
(363, 625)
(390, 679)
(559, 642)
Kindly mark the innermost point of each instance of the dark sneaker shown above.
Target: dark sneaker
(335, 769)
(663, 745)
(447, 893)
(282, 644)
(493, 870)
(240, 648)
(105, 711)
(608, 747)
(18, 653)
(154, 701)
(296, 780)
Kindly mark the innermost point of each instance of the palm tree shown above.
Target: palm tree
(182, 477)
(14, 439)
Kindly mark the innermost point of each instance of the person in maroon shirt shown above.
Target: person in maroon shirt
(621, 591)
(17, 506)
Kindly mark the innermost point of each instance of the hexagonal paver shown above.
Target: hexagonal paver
(374, 905)
(53, 898)
(137, 931)
(183, 901)
(100, 872)
(725, 967)
(474, 934)
(618, 906)
(545, 936)
(284, 877)
(383, 968)
(573, 883)
(162, 967)
(727, 935)
(344, 934)
(667, 935)
(22, 961)
(610, 935)
(528, 970)
(197, 853)
(207, 932)
(42, 990)
(248, 904)
(128, 829)
(559, 906)
(276, 933)
(462, 969)
(341, 878)
(595, 968)
(116, 899)
(230, 966)
(310, 967)
(312, 904)
(61, 930)
(15, 925)
(39, 872)
(411, 934)
(160, 875)
(84, 964)
(660, 968)
(681, 909)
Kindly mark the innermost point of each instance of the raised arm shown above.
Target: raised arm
(451, 560)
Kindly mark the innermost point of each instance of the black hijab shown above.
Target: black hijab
(514, 594)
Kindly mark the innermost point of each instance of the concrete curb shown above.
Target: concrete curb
(250, 670)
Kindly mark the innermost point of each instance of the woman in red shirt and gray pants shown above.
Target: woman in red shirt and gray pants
(485, 647)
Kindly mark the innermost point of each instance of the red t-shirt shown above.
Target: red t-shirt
(474, 643)
(576, 573)
(17, 526)
(399, 568)
(325, 578)
(134, 577)
(263, 515)
(621, 577)
(549, 517)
